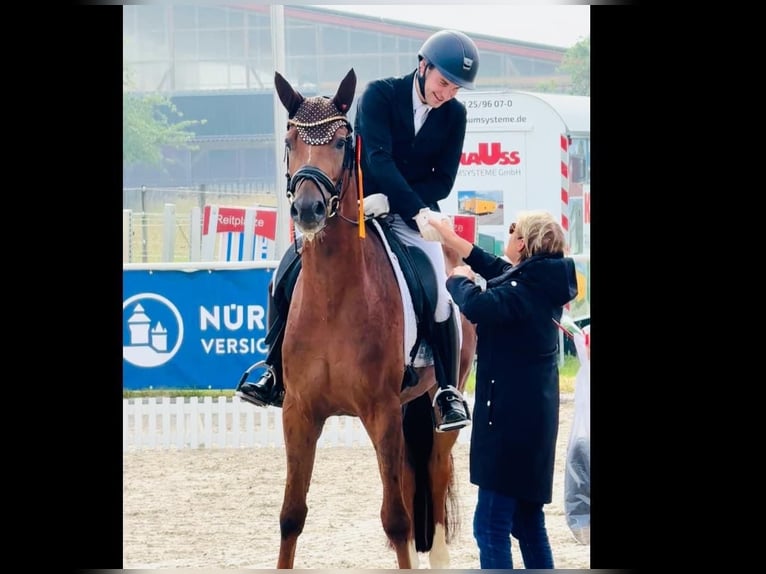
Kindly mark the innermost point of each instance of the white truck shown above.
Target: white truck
(524, 151)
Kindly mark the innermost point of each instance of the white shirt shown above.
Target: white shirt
(419, 109)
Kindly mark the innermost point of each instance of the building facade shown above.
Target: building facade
(217, 63)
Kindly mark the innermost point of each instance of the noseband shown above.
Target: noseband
(331, 191)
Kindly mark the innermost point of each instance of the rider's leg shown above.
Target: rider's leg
(445, 342)
(269, 389)
(446, 338)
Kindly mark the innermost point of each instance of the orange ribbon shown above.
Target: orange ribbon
(360, 185)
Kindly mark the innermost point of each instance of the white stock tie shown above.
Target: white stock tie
(420, 117)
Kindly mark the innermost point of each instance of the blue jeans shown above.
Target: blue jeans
(499, 517)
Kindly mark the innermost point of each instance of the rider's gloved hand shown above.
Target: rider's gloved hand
(423, 219)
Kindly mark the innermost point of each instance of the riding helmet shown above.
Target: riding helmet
(454, 54)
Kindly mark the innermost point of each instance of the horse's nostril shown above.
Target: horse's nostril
(293, 210)
(319, 209)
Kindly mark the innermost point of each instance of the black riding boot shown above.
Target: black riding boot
(446, 346)
(268, 390)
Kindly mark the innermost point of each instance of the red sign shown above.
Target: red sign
(232, 220)
(465, 226)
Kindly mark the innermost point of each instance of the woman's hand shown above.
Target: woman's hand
(443, 225)
(463, 271)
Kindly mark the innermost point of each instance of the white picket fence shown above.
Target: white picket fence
(227, 422)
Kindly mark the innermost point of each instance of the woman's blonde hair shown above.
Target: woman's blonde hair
(541, 233)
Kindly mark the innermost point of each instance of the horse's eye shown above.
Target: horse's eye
(287, 145)
(340, 144)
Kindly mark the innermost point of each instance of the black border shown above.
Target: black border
(613, 535)
(636, 234)
(80, 100)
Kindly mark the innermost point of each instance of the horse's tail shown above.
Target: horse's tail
(419, 437)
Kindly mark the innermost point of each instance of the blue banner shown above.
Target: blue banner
(198, 329)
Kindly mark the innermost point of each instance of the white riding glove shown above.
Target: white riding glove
(423, 219)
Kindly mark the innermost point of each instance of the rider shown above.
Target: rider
(415, 167)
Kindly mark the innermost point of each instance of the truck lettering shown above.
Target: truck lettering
(490, 154)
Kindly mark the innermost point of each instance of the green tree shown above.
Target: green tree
(147, 128)
(576, 63)
(547, 87)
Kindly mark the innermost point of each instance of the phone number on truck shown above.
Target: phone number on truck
(488, 104)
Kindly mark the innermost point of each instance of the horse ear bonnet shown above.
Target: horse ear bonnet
(310, 119)
(290, 99)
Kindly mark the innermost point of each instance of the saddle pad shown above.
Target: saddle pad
(424, 358)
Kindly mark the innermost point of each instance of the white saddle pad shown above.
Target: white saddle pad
(424, 357)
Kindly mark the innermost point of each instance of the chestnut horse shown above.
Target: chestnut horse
(343, 349)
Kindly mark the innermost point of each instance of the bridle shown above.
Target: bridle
(331, 193)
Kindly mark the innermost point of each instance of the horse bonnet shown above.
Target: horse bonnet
(317, 119)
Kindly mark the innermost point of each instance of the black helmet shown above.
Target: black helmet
(454, 54)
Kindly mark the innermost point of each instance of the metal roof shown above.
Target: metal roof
(574, 110)
(324, 15)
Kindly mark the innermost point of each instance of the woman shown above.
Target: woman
(516, 412)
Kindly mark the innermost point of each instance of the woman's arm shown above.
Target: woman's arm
(449, 238)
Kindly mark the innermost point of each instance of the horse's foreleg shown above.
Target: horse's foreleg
(440, 472)
(440, 466)
(301, 435)
(385, 430)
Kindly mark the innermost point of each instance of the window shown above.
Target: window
(334, 40)
(186, 45)
(150, 17)
(363, 42)
(212, 45)
(579, 160)
(301, 40)
(236, 43)
(184, 17)
(211, 17)
(259, 43)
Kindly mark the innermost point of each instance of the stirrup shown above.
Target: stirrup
(455, 425)
(246, 374)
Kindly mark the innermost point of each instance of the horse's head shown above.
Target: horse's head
(319, 151)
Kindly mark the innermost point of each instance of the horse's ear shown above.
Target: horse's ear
(345, 94)
(291, 99)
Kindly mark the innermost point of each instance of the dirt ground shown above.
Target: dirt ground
(219, 508)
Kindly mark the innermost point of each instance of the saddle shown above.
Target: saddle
(415, 267)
